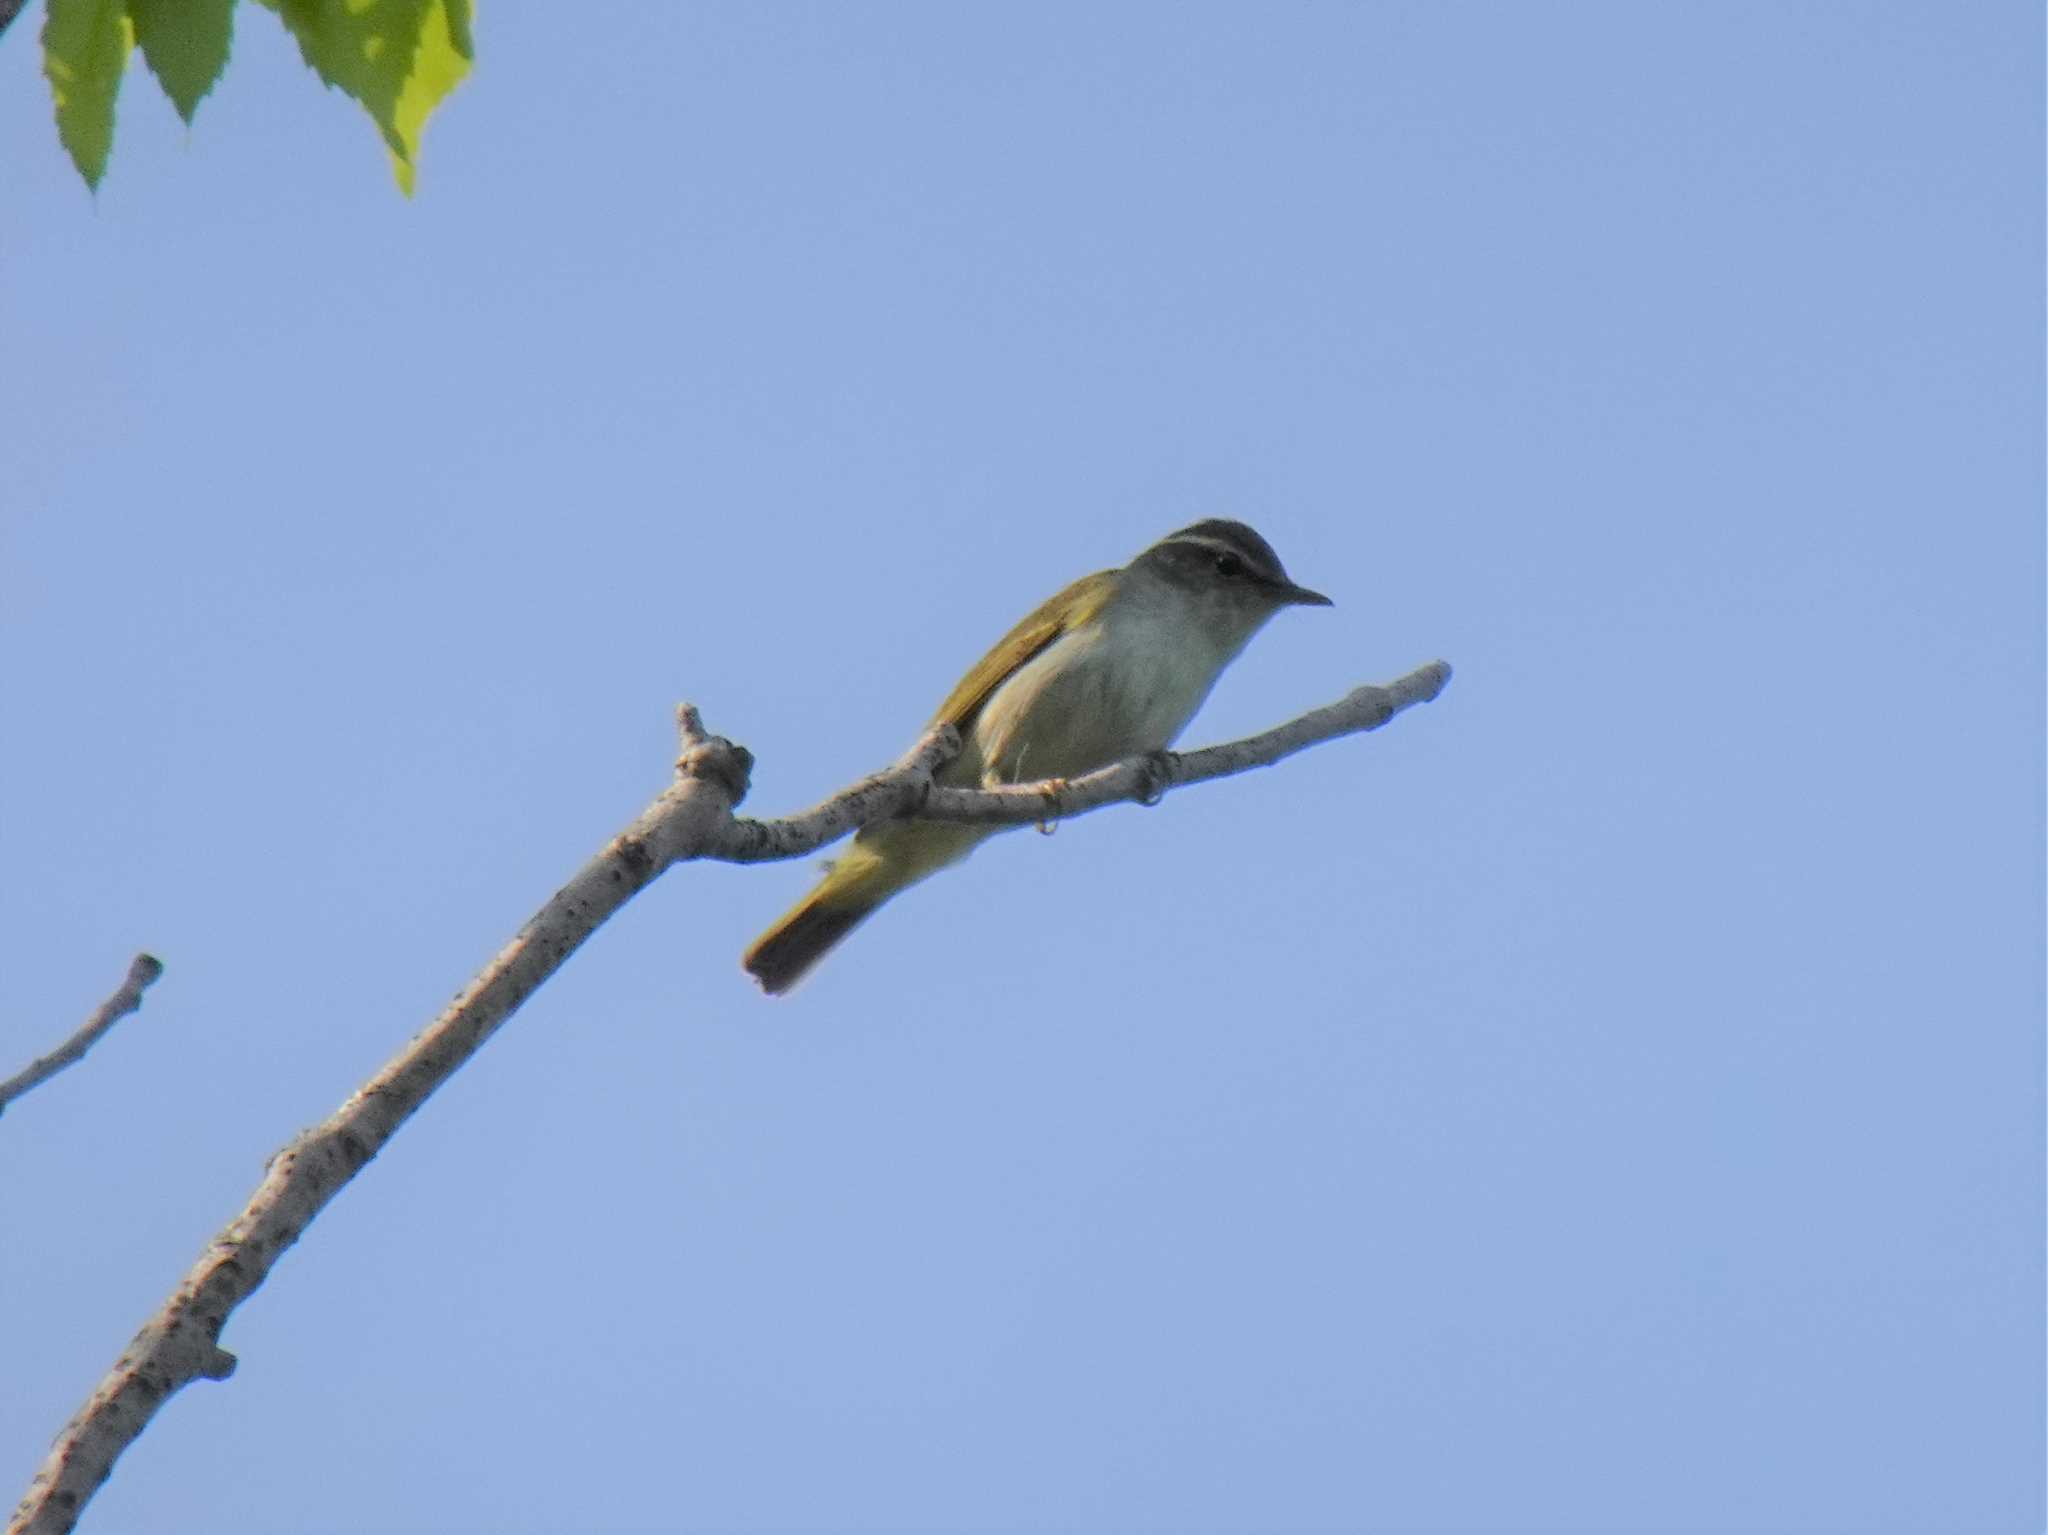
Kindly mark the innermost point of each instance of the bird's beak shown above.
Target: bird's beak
(1287, 591)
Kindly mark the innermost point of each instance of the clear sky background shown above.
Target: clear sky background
(1610, 1098)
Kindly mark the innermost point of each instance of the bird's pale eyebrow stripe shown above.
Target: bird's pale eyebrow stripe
(1219, 546)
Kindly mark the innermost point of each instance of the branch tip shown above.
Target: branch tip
(689, 725)
(143, 971)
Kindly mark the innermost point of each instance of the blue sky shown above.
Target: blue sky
(1610, 1098)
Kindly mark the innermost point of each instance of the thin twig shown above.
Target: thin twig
(1146, 779)
(692, 818)
(897, 790)
(143, 970)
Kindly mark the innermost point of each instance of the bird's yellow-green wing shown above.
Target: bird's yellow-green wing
(1069, 609)
(889, 856)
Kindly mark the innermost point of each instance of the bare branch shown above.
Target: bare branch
(181, 1343)
(907, 789)
(898, 790)
(692, 818)
(1147, 779)
(144, 969)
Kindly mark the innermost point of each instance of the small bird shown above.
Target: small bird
(1112, 667)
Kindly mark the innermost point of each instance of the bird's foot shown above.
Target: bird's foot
(1054, 808)
(1156, 770)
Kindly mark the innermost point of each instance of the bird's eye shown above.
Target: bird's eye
(1229, 565)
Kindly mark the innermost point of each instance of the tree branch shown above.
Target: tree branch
(692, 818)
(894, 791)
(1147, 779)
(902, 789)
(141, 972)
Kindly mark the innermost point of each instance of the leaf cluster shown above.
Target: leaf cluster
(397, 58)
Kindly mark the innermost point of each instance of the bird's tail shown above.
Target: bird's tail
(784, 954)
(881, 862)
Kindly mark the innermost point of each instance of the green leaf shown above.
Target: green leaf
(185, 44)
(399, 58)
(443, 59)
(85, 48)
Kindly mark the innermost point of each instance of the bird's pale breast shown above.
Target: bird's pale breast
(1106, 691)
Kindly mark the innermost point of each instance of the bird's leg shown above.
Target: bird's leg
(1050, 790)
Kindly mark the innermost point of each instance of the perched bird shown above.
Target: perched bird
(1112, 667)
